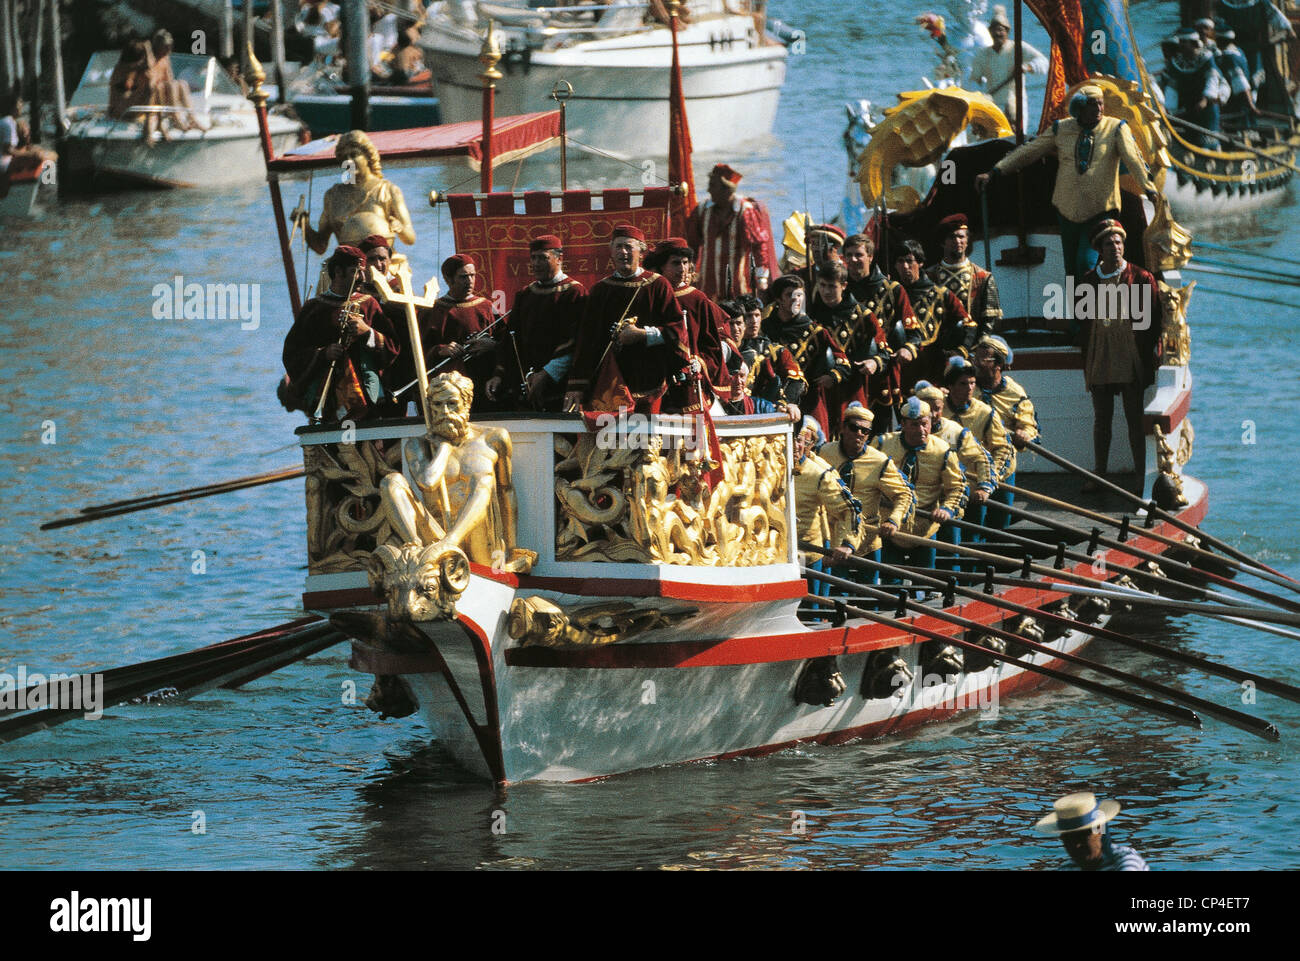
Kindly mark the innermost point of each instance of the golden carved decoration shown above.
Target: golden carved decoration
(646, 503)
(1168, 245)
(1167, 463)
(535, 620)
(419, 583)
(1186, 438)
(1176, 338)
(455, 490)
(344, 522)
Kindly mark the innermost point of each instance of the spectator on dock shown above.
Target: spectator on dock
(1079, 820)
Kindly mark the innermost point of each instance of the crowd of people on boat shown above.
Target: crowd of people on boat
(1225, 74)
(897, 383)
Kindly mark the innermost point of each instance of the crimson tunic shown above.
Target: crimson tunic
(706, 325)
(541, 328)
(355, 384)
(946, 329)
(1143, 335)
(611, 377)
(449, 321)
(739, 236)
(888, 302)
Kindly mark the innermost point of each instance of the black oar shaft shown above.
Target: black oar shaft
(1183, 545)
(1136, 597)
(267, 477)
(1168, 563)
(1170, 711)
(164, 500)
(1238, 719)
(1069, 465)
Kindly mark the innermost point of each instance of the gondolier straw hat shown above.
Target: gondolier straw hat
(1077, 812)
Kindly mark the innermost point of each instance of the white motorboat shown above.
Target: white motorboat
(617, 58)
(101, 150)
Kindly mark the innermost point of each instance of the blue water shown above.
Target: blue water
(283, 774)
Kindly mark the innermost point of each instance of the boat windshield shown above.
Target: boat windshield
(203, 75)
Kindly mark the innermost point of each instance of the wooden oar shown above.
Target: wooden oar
(1151, 509)
(1259, 278)
(1222, 138)
(149, 502)
(1063, 553)
(1167, 563)
(228, 663)
(1243, 253)
(945, 581)
(269, 477)
(1238, 719)
(1240, 613)
(1170, 711)
(1123, 526)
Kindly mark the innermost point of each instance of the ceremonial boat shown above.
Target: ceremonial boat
(566, 597)
(105, 152)
(616, 59)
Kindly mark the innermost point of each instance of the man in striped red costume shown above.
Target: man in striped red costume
(733, 237)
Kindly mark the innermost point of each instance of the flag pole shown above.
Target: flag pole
(489, 56)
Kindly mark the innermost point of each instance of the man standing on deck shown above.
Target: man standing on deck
(632, 340)
(1080, 822)
(1089, 148)
(886, 300)
(707, 325)
(994, 67)
(536, 350)
(732, 236)
(1121, 347)
(943, 326)
(356, 348)
(1013, 406)
(973, 286)
(452, 329)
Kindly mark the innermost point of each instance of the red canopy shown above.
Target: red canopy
(512, 138)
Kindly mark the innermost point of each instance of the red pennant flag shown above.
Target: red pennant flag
(679, 147)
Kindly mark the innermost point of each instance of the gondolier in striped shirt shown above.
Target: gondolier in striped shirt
(1080, 822)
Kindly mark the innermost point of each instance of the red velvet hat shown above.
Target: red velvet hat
(727, 173)
(953, 222)
(827, 229)
(346, 254)
(628, 230)
(669, 247)
(452, 265)
(374, 241)
(545, 242)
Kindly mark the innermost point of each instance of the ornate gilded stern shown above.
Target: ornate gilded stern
(630, 497)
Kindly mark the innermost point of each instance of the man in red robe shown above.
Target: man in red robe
(349, 350)
(632, 341)
(450, 329)
(732, 236)
(707, 324)
(973, 286)
(536, 350)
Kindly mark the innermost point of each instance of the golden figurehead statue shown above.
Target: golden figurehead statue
(364, 203)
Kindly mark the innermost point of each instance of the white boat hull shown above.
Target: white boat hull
(99, 152)
(620, 100)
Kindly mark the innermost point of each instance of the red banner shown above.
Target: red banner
(496, 234)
